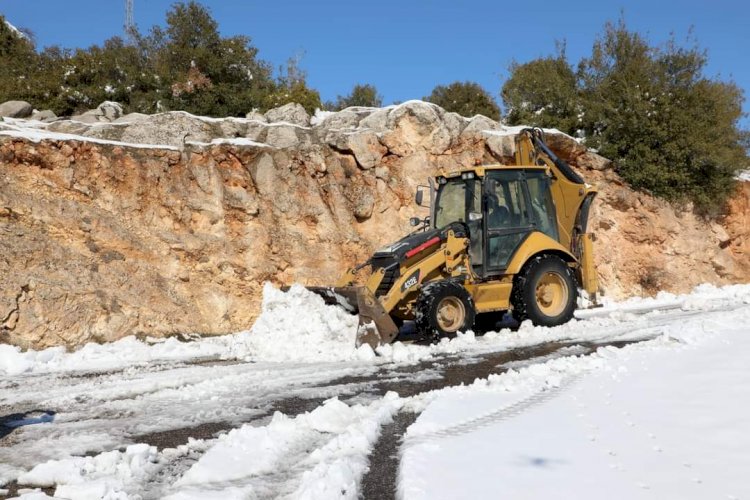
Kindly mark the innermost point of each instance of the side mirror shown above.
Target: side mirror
(419, 196)
(414, 221)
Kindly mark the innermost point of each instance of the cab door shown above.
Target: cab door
(509, 217)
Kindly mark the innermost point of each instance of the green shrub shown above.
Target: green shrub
(466, 99)
(670, 129)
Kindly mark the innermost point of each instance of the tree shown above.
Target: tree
(17, 58)
(465, 98)
(543, 93)
(292, 87)
(670, 129)
(361, 95)
(202, 72)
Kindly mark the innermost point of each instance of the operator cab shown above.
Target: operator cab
(501, 207)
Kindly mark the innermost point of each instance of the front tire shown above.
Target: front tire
(545, 292)
(444, 308)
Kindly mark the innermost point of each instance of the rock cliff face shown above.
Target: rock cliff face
(164, 224)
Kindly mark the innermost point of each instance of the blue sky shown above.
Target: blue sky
(407, 47)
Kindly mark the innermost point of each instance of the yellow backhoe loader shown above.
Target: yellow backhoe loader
(499, 238)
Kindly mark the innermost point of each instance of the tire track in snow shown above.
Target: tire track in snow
(501, 414)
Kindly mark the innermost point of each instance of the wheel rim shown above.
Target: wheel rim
(552, 294)
(451, 314)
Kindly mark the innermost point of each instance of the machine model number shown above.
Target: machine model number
(411, 281)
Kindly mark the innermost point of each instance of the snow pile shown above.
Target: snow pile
(320, 116)
(103, 476)
(667, 418)
(340, 437)
(298, 326)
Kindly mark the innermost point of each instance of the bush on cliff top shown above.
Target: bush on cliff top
(465, 98)
(670, 129)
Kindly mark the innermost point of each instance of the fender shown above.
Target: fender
(536, 243)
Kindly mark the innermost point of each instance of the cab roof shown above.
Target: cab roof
(480, 170)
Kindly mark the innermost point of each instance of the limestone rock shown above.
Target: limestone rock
(290, 113)
(89, 117)
(16, 109)
(110, 110)
(282, 136)
(257, 116)
(416, 125)
(172, 129)
(131, 118)
(342, 120)
(45, 115)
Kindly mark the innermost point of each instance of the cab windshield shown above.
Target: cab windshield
(454, 199)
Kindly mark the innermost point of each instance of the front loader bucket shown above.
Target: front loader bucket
(376, 327)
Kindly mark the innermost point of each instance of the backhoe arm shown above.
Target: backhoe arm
(573, 199)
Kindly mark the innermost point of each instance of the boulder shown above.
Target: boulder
(110, 110)
(257, 116)
(363, 144)
(46, 115)
(92, 116)
(416, 125)
(480, 123)
(16, 109)
(131, 118)
(282, 136)
(290, 113)
(341, 120)
(377, 120)
(172, 128)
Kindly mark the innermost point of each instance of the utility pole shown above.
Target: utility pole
(129, 26)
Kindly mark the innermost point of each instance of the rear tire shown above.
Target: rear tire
(545, 292)
(444, 308)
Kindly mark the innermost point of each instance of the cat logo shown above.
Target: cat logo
(413, 280)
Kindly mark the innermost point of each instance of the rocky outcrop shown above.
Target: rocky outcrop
(171, 223)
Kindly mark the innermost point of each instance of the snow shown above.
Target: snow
(330, 444)
(320, 116)
(297, 326)
(92, 478)
(37, 135)
(547, 425)
(16, 31)
(668, 418)
(234, 141)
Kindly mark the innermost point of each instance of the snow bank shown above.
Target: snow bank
(327, 448)
(102, 357)
(298, 326)
(103, 476)
(668, 418)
